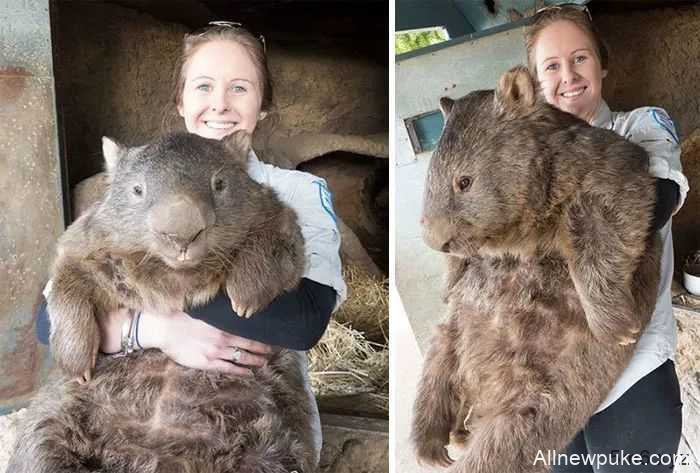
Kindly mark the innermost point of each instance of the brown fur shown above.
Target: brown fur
(144, 413)
(552, 275)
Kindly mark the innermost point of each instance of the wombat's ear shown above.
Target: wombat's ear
(515, 92)
(446, 105)
(239, 143)
(113, 152)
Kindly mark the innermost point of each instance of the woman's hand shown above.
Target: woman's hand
(187, 341)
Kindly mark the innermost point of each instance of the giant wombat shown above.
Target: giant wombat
(180, 220)
(552, 275)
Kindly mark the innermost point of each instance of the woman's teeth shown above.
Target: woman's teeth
(573, 93)
(220, 125)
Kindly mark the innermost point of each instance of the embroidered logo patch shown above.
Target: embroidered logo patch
(664, 121)
(326, 198)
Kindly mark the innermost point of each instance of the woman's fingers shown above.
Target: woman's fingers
(246, 344)
(241, 357)
(228, 367)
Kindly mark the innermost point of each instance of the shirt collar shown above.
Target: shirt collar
(603, 116)
(255, 166)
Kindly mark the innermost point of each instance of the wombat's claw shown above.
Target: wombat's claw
(85, 377)
(245, 312)
(626, 341)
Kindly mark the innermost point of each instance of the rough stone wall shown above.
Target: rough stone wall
(653, 61)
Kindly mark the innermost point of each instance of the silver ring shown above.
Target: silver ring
(236, 354)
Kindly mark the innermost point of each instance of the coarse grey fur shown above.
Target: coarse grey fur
(552, 276)
(181, 220)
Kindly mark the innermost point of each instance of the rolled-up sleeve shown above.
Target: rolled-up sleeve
(653, 129)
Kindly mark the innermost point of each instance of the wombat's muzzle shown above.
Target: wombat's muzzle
(438, 233)
(179, 224)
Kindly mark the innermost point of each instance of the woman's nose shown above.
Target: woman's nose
(218, 102)
(568, 74)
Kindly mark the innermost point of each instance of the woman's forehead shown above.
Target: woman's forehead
(561, 38)
(222, 59)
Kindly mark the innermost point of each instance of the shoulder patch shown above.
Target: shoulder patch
(326, 198)
(662, 120)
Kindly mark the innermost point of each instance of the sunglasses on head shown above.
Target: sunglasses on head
(229, 24)
(562, 6)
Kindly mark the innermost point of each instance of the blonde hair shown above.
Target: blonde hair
(577, 15)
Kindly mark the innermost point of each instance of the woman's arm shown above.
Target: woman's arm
(296, 320)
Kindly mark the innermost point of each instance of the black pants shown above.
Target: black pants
(646, 420)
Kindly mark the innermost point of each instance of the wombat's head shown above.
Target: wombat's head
(478, 187)
(179, 198)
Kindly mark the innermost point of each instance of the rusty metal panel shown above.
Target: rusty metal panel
(31, 216)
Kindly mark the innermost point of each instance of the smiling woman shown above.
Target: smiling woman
(568, 59)
(216, 96)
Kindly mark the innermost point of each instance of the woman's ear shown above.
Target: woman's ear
(516, 92)
(604, 244)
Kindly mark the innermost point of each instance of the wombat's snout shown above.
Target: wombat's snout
(179, 223)
(437, 233)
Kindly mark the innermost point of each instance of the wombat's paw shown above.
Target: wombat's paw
(620, 333)
(246, 306)
(433, 452)
(244, 310)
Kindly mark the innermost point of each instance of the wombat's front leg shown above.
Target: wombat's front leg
(601, 263)
(270, 263)
(437, 401)
(74, 332)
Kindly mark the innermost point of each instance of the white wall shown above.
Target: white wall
(420, 82)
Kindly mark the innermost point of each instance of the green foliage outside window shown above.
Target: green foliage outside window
(410, 40)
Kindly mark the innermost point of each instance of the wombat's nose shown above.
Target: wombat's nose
(179, 219)
(446, 247)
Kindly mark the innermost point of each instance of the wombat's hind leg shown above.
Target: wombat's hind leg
(436, 404)
(51, 441)
(516, 441)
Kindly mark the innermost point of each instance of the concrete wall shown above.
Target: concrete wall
(30, 193)
(420, 82)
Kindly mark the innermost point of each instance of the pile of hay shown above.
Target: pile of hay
(352, 357)
(367, 307)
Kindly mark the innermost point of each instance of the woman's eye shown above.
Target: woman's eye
(239, 89)
(580, 59)
(552, 66)
(203, 87)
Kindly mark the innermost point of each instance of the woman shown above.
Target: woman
(223, 85)
(642, 414)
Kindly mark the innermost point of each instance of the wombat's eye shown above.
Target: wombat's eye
(463, 183)
(219, 184)
(137, 190)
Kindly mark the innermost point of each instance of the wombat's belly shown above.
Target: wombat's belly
(147, 402)
(526, 340)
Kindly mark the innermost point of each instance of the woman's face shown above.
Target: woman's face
(221, 92)
(569, 69)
